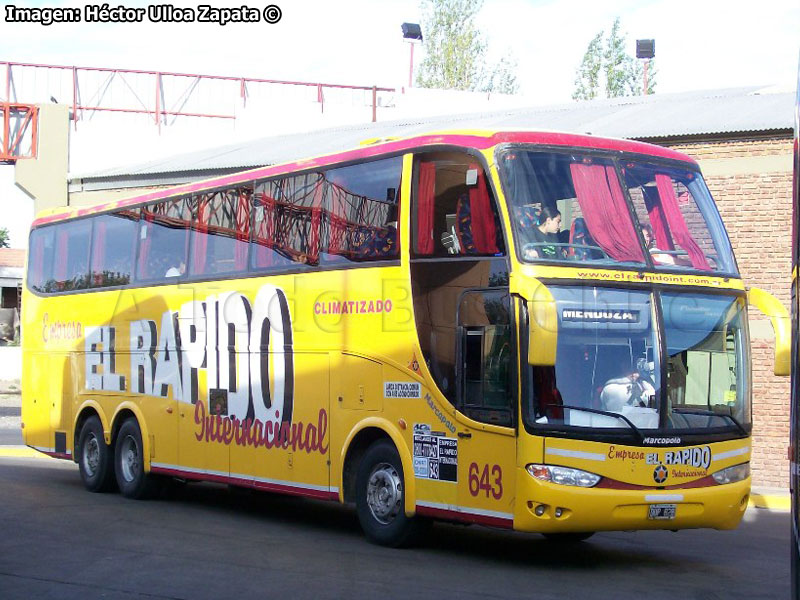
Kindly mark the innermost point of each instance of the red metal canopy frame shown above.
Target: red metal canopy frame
(20, 123)
(158, 111)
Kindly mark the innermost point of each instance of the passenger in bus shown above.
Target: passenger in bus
(176, 270)
(541, 240)
(655, 253)
(628, 389)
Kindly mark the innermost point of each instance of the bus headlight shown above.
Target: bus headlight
(732, 474)
(563, 475)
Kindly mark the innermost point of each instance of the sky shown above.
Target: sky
(700, 44)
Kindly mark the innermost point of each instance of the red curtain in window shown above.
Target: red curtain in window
(657, 221)
(242, 229)
(605, 211)
(144, 247)
(98, 253)
(37, 276)
(62, 243)
(201, 235)
(680, 231)
(484, 230)
(425, 197)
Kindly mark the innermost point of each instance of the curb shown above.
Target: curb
(771, 501)
(21, 452)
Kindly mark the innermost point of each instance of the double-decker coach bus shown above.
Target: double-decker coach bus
(538, 331)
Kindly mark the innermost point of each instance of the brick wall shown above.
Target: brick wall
(757, 210)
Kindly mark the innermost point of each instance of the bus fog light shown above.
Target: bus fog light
(559, 510)
(732, 474)
(539, 510)
(563, 475)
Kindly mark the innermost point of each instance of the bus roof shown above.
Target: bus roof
(478, 139)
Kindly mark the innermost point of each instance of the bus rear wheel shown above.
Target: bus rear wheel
(95, 458)
(380, 499)
(133, 482)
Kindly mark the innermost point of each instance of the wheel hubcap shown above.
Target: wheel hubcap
(91, 455)
(129, 458)
(384, 493)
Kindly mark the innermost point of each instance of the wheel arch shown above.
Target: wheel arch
(364, 434)
(124, 411)
(90, 408)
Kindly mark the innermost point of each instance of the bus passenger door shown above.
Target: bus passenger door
(486, 392)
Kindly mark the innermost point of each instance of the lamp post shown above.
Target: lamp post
(411, 32)
(645, 49)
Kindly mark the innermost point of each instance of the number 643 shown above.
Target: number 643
(489, 480)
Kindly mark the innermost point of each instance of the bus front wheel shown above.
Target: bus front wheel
(95, 458)
(380, 498)
(133, 482)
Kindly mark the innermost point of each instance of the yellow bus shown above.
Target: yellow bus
(536, 331)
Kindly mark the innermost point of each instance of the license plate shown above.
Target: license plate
(663, 512)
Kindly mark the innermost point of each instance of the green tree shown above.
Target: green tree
(587, 80)
(455, 50)
(4, 238)
(606, 65)
(503, 79)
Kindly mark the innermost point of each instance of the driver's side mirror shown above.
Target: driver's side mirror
(771, 307)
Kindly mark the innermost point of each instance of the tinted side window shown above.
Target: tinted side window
(342, 215)
(40, 260)
(221, 233)
(286, 222)
(361, 211)
(163, 239)
(71, 267)
(487, 389)
(114, 248)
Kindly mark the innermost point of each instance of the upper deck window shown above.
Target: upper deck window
(574, 207)
(680, 224)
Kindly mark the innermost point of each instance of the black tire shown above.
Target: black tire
(380, 498)
(95, 457)
(133, 482)
(571, 537)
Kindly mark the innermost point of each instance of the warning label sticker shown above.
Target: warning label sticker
(402, 389)
(436, 457)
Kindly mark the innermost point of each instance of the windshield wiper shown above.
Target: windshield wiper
(614, 415)
(710, 413)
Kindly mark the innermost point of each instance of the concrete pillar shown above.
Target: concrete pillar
(44, 178)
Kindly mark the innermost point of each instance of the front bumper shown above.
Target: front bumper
(603, 509)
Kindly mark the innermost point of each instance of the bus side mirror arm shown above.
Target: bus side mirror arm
(542, 331)
(771, 307)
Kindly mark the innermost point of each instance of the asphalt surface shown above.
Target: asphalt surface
(202, 541)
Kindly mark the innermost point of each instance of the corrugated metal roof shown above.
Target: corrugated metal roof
(750, 109)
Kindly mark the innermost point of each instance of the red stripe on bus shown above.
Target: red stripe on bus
(63, 455)
(453, 515)
(613, 484)
(257, 485)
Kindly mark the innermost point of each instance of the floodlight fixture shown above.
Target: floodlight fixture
(412, 31)
(645, 48)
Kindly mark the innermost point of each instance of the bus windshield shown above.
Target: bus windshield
(611, 372)
(580, 207)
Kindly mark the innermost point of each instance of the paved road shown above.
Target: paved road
(203, 541)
